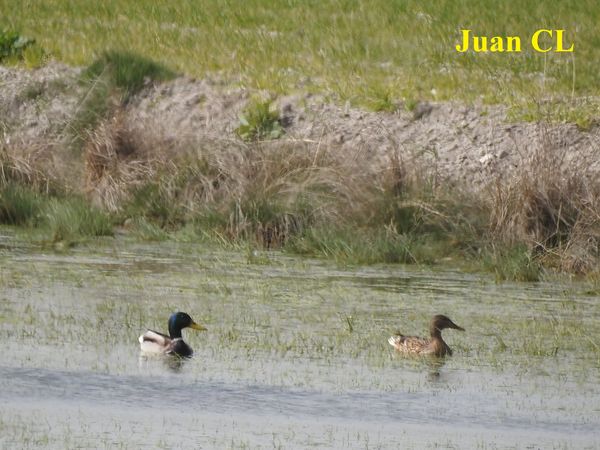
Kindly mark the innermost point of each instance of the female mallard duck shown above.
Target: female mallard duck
(158, 343)
(435, 345)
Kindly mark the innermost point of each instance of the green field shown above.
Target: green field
(374, 54)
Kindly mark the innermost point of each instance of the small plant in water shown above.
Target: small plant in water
(260, 121)
(350, 323)
(515, 263)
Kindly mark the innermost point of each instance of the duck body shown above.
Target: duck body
(153, 342)
(432, 346)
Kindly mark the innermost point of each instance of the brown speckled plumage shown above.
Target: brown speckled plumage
(434, 345)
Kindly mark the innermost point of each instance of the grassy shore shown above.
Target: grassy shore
(376, 54)
(297, 197)
(294, 195)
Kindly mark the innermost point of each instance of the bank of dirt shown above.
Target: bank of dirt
(472, 147)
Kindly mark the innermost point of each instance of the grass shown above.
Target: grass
(64, 219)
(112, 79)
(13, 45)
(516, 263)
(19, 205)
(377, 54)
(305, 198)
(126, 71)
(320, 201)
(72, 219)
(260, 121)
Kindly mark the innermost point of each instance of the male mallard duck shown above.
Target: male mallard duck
(158, 343)
(435, 345)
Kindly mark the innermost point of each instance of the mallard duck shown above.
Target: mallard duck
(435, 345)
(173, 344)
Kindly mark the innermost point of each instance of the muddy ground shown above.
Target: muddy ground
(465, 143)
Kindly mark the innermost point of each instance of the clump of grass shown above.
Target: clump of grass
(550, 204)
(382, 99)
(155, 203)
(73, 218)
(113, 79)
(127, 71)
(13, 45)
(147, 231)
(29, 166)
(350, 246)
(513, 263)
(260, 121)
(19, 205)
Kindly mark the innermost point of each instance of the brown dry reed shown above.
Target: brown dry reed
(551, 203)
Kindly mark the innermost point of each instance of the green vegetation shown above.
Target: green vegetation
(126, 71)
(296, 196)
(15, 48)
(12, 45)
(19, 205)
(516, 263)
(260, 121)
(313, 200)
(400, 50)
(64, 219)
(113, 79)
(71, 219)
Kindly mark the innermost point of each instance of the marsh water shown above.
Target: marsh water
(295, 356)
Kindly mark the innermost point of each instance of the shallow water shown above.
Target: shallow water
(296, 354)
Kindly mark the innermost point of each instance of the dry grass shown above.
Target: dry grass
(313, 197)
(114, 164)
(244, 178)
(268, 190)
(30, 165)
(551, 203)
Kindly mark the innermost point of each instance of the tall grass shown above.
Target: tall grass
(374, 53)
(302, 196)
(71, 219)
(19, 205)
(551, 203)
(66, 219)
(317, 199)
(356, 206)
